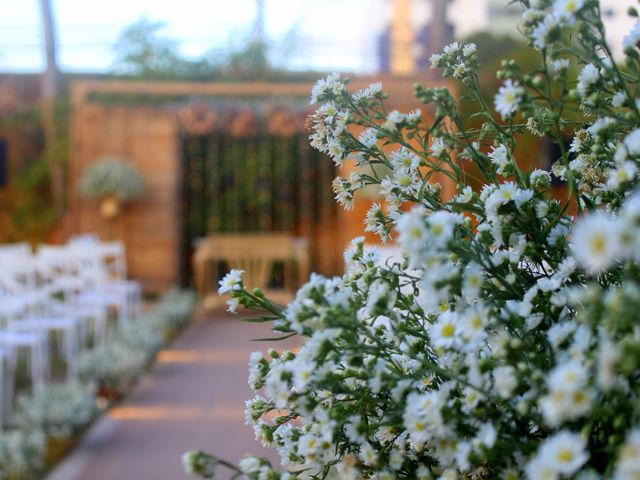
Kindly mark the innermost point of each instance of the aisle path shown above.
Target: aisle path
(192, 398)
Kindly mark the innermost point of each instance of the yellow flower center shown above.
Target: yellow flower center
(598, 243)
(476, 322)
(437, 229)
(580, 397)
(416, 232)
(565, 455)
(448, 330)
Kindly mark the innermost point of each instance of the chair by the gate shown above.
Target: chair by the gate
(256, 254)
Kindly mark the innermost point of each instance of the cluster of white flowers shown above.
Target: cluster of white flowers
(544, 25)
(457, 61)
(504, 343)
(59, 410)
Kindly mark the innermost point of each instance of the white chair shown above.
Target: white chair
(7, 384)
(49, 312)
(13, 249)
(62, 310)
(14, 305)
(114, 261)
(87, 262)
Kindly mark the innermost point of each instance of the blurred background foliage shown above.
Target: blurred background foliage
(27, 210)
(144, 52)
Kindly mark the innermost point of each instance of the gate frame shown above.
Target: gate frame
(157, 263)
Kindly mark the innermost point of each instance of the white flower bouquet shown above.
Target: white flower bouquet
(506, 342)
(58, 410)
(112, 177)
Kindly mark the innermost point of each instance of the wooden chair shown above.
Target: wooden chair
(256, 254)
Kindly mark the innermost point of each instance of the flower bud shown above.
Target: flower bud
(273, 353)
(574, 95)
(537, 82)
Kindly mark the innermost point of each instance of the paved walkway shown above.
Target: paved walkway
(192, 398)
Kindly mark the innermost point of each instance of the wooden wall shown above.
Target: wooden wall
(149, 227)
(148, 136)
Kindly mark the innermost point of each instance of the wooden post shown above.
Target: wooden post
(439, 35)
(402, 38)
(50, 89)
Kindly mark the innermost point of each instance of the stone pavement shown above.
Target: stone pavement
(192, 398)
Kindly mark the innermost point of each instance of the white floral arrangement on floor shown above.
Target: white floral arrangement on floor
(145, 334)
(112, 368)
(115, 366)
(174, 309)
(59, 409)
(506, 344)
(21, 454)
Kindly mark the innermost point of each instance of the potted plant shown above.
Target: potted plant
(113, 181)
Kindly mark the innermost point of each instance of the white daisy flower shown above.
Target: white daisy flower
(564, 453)
(618, 99)
(566, 10)
(231, 281)
(595, 242)
(628, 466)
(588, 77)
(630, 41)
(469, 49)
(632, 142)
(508, 98)
(543, 30)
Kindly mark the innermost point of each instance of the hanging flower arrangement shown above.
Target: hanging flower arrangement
(113, 182)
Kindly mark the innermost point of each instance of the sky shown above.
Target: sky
(330, 34)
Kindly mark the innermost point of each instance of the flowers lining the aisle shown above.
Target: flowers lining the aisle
(48, 420)
(57, 410)
(505, 344)
(21, 454)
(113, 368)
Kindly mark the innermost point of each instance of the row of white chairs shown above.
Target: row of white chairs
(59, 295)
